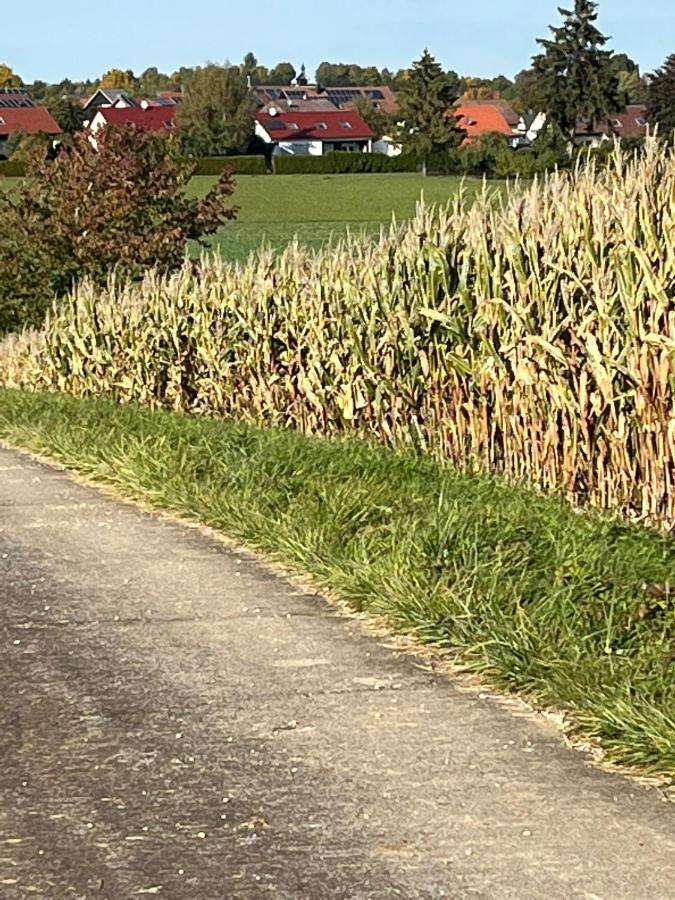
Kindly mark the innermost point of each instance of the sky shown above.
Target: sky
(475, 37)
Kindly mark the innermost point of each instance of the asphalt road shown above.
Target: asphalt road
(177, 720)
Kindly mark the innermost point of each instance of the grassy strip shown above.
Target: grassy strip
(573, 610)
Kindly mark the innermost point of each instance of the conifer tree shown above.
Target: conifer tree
(661, 98)
(426, 110)
(575, 78)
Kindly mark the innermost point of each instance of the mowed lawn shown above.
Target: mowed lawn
(273, 209)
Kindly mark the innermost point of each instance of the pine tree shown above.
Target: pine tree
(575, 78)
(426, 101)
(661, 98)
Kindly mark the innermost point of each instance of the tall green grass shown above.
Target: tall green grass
(574, 610)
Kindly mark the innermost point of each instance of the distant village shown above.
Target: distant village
(306, 118)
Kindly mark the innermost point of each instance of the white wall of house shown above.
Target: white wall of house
(96, 123)
(298, 148)
(387, 146)
(594, 141)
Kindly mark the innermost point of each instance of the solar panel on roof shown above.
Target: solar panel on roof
(13, 103)
(375, 95)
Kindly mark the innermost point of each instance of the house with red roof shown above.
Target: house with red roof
(479, 117)
(147, 116)
(631, 122)
(303, 132)
(18, 113)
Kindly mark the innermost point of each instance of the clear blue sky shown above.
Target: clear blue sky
(81, 39)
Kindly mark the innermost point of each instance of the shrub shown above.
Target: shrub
(12, 168)
(342, 163)
(238, 165)
(121, 204)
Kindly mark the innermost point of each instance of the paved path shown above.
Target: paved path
(177, 721)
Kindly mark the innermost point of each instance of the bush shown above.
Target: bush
(12, 168)
(343, 163)
(239, 165)
(120, 205)
(491, 156)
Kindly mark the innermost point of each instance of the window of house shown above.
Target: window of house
(322, 126)
(615, 123)
(293, 126)
(345, 125)
(2, 121)
(641, 121)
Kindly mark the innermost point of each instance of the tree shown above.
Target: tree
(661, 97)
(69, 116)
(282, 73)
(121, 205)
(479, 89)
(150, 82)
(116, 78)
(377, 120)
(371, 75)
(575, 77)
(217, 114)
(426, 111)
(9, 78)
(335, 74)
(251, 68)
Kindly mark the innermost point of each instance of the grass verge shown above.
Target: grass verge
(572, 610)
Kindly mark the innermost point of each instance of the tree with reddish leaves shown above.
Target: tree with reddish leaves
(116, 202)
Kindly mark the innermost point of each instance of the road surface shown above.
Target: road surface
(178, 720)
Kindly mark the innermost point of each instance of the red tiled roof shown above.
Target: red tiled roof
(505, 108)
(632, 122)
(340, 125)
(480, 118)
(154, 118)
(29, 119)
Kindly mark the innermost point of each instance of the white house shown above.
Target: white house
(304, 133)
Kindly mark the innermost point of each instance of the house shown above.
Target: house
(379, 97)
(146, 116)
(312, 133)
(105, 97)
(529, 127)
(630, 123)
(479, 117)
(387, 146)
(174, 97)
(18, 113)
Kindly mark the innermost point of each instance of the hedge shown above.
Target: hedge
(343, 162)
(240, 165)
(12, 168)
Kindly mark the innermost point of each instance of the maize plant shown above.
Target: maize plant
(531, 335)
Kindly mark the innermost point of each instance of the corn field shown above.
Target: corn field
(532, 336)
